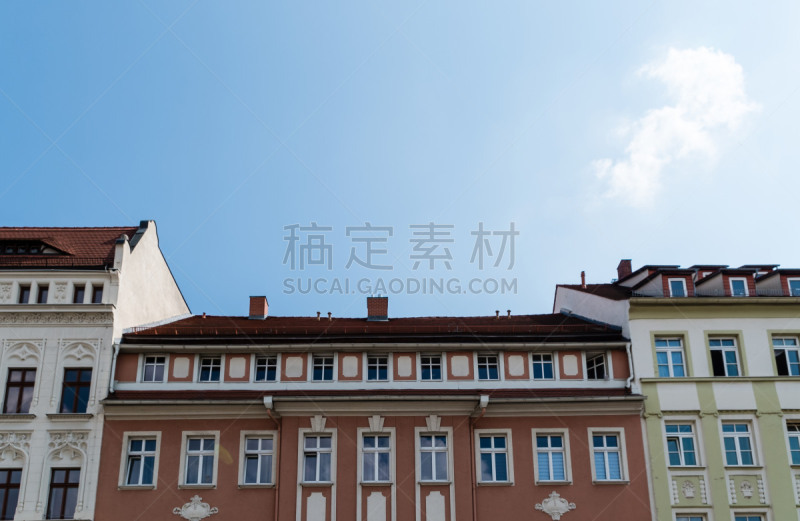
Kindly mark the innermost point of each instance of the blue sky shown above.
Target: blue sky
(662, 132)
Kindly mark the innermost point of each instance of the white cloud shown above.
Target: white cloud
(707, 87)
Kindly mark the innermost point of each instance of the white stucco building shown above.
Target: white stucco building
(66, 294)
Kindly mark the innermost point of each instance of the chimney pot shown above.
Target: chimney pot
(259, 308)
(583, 279)
(204, 314)
(377, 308)
(329, 316)
(509, 313)
(496, 313)
(318, 314)
(624, 269)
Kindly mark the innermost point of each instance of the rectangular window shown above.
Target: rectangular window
(794, 287)
(63, 497)
(787, 356)
(153, 368)
(793, 430)
(9, 492)
(210, 368)
(749, 518)
(596, 366)
(681, 445)
(24, 294)
(97, 294)
(19, 391)
(433, 457)
(75, 390)
(738, 444)
(78, 293)
(317, 453)
(377, 368)
(431, 367)
(258, 460)
(199, 468)
(677, 288)
(607, 457)
(493, 458)
(266, 369)
(41, 295)
(488, 367)
(551, 457)
(542, 367)
(738, 287)
(141, 462)
(669, 357)
(322, 370)
(376, 458)
(724, 358)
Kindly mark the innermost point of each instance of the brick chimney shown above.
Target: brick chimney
(259, 308)
(624, 269)
(377, 308)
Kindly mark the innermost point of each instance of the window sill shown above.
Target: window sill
(495, 483)
(434, 483)
(545, 483)
(686, 467)
(321, 484)
(256, 485)
(611, 482)
(198, 485)
(376, 483)
(744, 467)
(17, 417)
(69, 416)
(136, 487)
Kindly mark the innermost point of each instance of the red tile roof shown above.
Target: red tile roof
(222, 329)
(79, 247)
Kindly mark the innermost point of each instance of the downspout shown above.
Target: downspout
(269, 405)
(630, 365)
(484, 401)
(113, 369)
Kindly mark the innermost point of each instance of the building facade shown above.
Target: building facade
(66, 294)
(715, 353)
(374, 419)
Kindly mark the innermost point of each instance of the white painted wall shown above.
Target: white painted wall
(613, 312)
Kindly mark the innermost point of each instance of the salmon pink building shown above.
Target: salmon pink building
(373, 419)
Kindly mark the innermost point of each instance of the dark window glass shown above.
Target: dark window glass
(75, 391)
(19, 391)
(266, 369)
(9, 492)
(24, 294)
(63, 493)
(41, 298)
(97, 295)
(78, 294)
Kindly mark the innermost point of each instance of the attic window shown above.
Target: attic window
(21, 247)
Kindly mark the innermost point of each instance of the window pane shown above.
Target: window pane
(266, 469)
(558, 466)
(613, 466)
(147, 471)
(310, 471)
(134, 467)
(600, 465)
(383, 466)
(486, 467)
(325, 467)
(544, 466)
(441, 466)
(500, 467)
(192, 469)
(426, 462)
(369, 467)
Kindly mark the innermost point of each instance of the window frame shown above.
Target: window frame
(789, 424)
(75, 292)
(276, 357)
(751, 436)
(64, 487)
(498, 367)
(606, 365)
(388, 360)
(243, 437)
(143, 367)
(185, 437)
(7, 486)
(508, 451)
(680, 436)
(124, 459)
(199, 366)
(787, 350)
(683, 287)
(532, 364)
(670, 350)
(363, 451)
(42, 292)
(306, 433)
(447, 432)
(564, 433)
(22, 384)
(78, 386)
(333, 367)
(442, 368)
(97, 294)
(622, 449)
(683, 516)
(735, 349)
(24, 294)
(731, 280)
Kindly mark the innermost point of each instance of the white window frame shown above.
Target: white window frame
(786, 349)
(683, 283)
(478, 367)
(508, 451)
(680, 436)
(553, 359)
(564, 433)
(681, 516)
(389, 366)
(142, 365)
(443, 431)
(762, 516)
(198, 365)
(243, 435)
(669, 350)
(751, 435)
(185, 435)
(623, 464)
(123, 464)
(302, 434)
(362, 451)
(254, 363)
(442, 368)
(738, 279)
(723, 349)
(792, 421)
(334, 366)
(606, 366)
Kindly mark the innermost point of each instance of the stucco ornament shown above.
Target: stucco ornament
(195, 509)
(747, 489)
(555, 506)
(688, 489)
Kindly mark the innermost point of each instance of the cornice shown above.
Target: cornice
(48, 318)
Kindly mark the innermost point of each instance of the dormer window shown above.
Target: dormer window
(794, 287)
(677, 288)
(738, 287)
(21, 247)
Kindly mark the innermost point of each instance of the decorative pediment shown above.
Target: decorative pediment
(434, 423)
(318, 423)
(555, 506)
(14, 446)
(80, 350)
(195, 510)
(376, 423)
(26, 351)
(68, 445)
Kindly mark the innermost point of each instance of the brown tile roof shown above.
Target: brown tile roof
(79, 247)
(609, 291)
(520, 328)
